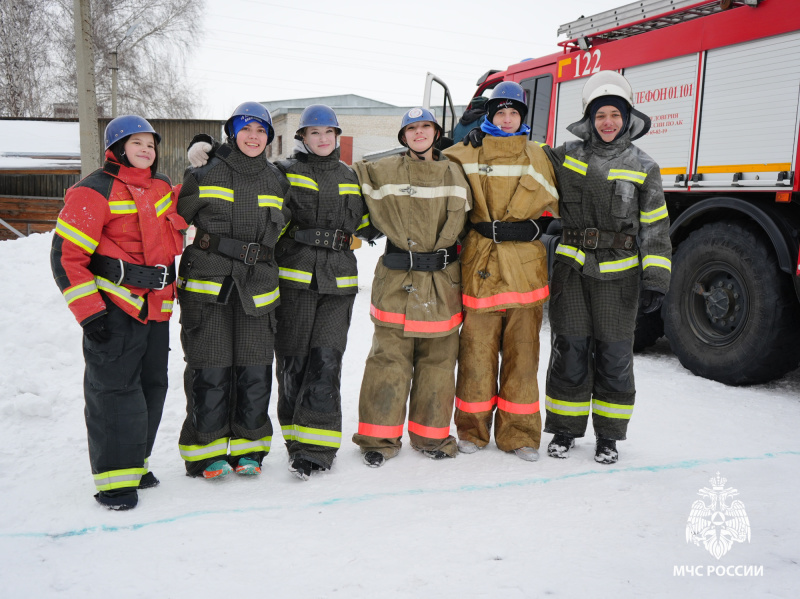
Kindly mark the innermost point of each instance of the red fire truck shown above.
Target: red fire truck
(720, 80)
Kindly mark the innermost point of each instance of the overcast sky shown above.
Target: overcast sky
(274, 50)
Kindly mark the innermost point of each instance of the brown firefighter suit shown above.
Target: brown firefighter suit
(504, 288)
(421, 207)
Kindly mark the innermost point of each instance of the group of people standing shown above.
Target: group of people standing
(271, 272)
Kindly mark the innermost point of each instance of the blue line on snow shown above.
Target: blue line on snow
(683, 465)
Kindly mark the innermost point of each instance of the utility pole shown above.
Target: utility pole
(87, 99)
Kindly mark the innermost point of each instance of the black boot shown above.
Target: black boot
(120, 500)
(560, 445)
(605, 451)
(148, 481)
(374, 459)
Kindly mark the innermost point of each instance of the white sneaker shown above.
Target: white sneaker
(529, 454)
(465, 446)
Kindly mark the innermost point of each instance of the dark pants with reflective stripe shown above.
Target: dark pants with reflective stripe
(124, 385)
(310, 344)
(228, 378)
(591, 362)
(397, 365)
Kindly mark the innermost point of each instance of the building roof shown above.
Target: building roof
(39, 146)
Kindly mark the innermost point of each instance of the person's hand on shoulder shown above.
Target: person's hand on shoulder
(474, 137)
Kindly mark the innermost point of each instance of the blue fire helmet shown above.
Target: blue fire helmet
(508, 94)
(319, 115)
(251, 110)
(414, 116)
(125, 126)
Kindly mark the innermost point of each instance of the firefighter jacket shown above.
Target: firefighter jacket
(237, 197)
(122, 213)
(420, 205)
(325, 195)
(511, 181)
(614, 187)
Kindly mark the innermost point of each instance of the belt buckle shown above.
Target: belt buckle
(338, 239)
(163, 275)
(251, 253)
(538, 230)
(443, 252)
(494, 231)
(591, 237)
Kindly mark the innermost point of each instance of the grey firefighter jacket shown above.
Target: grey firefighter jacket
(613, 187)
(238, 197)
(420, 206)
(325, 195)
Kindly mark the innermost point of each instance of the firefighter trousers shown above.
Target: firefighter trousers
(592, 322)
(124, 385)
(311, 339)
(228, 380)
(397, 365)
(506, 390)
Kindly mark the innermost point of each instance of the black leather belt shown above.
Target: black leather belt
(500, 231)
(595, 239)
(120, 272)
(330, 239)
(249, 253)
(399, 259)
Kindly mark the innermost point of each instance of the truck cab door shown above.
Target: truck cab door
(437, 98)
(539, 90)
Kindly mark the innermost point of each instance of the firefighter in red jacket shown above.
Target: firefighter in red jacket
(113, 257)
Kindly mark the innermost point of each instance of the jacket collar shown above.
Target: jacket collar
(638, 127)
(503, 147)
(240, 162)
(138, 177)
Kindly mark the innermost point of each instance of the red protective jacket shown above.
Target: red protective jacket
(122, 213)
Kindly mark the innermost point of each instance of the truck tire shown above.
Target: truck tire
(649, 329)
(731, 314)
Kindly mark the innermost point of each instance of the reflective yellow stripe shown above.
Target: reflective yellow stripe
(74, 235)
(346, 282)
(163, 204)
(265, 299)
(312, 436)
(294, 275)
(166, 306)
(509, 170)
(575, 165)
(612, 410)
(265, 201)
(211, 191)
(566, 408)
(571, 252)
(245, 446)
(301, 181)
(198, 286)
(654, 215)
(119, 479)
(123, 207)
(659, 261)
(195, 453)
(121, 292)
(285, 227)
(618, 173)
(76, 292)
(364, 222)
(349, 189)
(619, 265)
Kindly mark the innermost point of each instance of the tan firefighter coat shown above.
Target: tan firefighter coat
(422, 206)
(511, 181)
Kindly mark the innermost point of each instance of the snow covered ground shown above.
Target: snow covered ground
(482, 525)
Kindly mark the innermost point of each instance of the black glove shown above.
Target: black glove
(96, 330)
(651, 300)
(474, 137)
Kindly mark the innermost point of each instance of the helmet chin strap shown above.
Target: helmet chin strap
(421, 155)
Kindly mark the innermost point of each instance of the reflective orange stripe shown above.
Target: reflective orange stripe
(417, 326)
(517, 408)
(376, 430)
(510, 297)
(475, 406)
(429, 432)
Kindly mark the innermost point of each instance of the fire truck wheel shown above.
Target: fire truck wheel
(731, 313)
(649, 329)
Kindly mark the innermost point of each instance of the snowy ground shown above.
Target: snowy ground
(483, 525)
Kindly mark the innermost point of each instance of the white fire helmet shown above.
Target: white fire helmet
(606, 83)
